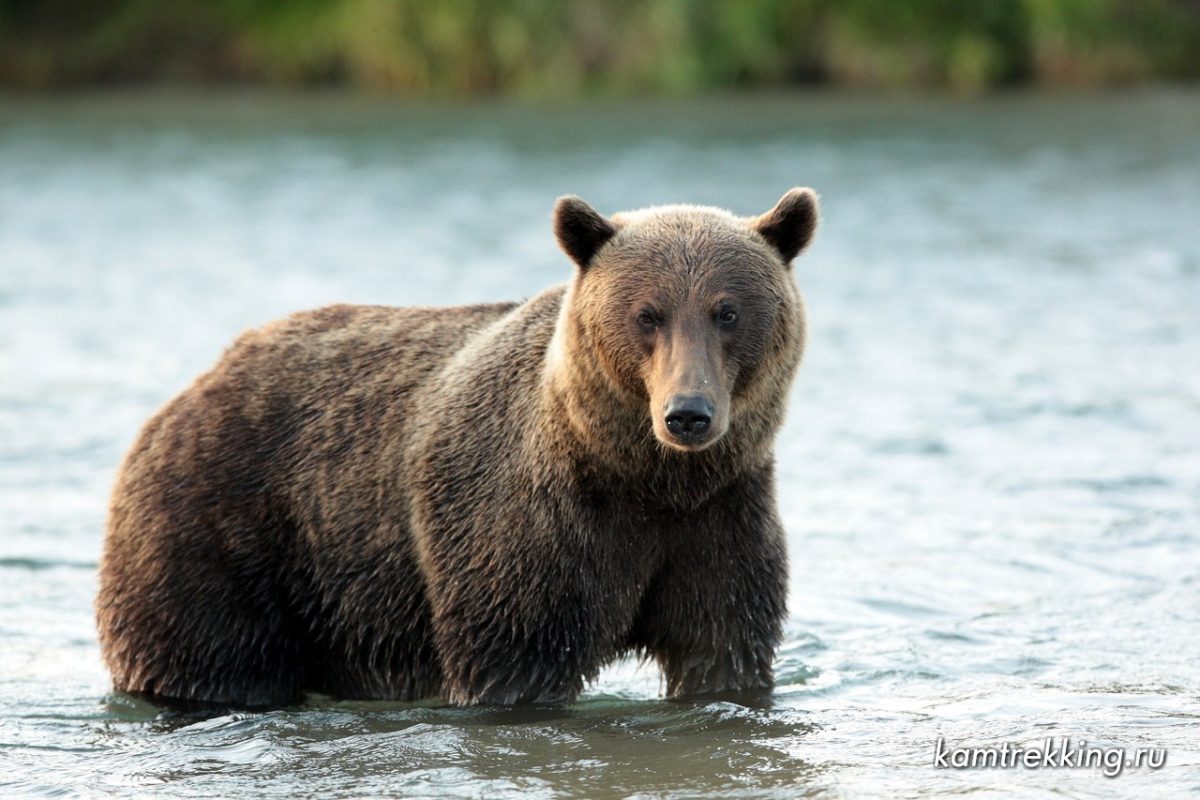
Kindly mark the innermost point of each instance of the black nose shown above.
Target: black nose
(689, 415)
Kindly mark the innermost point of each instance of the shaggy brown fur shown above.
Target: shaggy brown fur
(486, 503)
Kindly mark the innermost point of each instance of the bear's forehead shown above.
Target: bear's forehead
(691, 237)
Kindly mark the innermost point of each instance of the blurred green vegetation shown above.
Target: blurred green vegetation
(571, 47)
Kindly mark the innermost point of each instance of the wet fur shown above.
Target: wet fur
(468, 502)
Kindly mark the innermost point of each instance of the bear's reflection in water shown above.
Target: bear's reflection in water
(600, 747)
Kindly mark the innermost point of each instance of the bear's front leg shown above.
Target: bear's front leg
(516, 616)
(514, 639)
(712, 618)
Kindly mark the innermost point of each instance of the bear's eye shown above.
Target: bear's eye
(647, 320)
(727, 316)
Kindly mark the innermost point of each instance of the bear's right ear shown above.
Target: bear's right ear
(581, 230)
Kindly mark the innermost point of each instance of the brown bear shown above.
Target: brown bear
(485, 503)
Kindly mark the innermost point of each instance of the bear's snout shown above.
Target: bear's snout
(689, 418)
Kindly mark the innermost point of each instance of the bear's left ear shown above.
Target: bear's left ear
(581, 230)
(790, 225)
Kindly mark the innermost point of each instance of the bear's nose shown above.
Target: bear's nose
(689, 415)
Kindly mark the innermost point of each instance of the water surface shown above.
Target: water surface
(990, 475)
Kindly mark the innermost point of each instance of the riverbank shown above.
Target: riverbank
(546, 49)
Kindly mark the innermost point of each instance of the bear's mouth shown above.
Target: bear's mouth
(690, 443)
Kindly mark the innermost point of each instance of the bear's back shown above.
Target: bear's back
(337, 383)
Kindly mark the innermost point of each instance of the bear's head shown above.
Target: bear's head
(687, 312)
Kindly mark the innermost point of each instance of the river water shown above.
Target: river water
(990, 475)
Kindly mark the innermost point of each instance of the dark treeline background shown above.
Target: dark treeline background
(569, 47)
